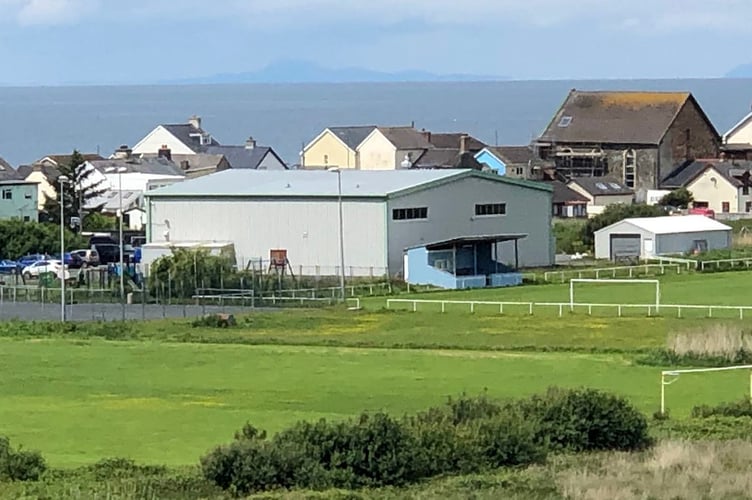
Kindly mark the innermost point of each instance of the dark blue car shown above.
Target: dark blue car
(9, 266)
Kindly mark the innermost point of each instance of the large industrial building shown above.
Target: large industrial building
(385, 213)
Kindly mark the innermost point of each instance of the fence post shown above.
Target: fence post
(415, 306)
(443, 304)
(531, 309)
(472, 307)
(710, 312)
(590, 309)
(619, 310)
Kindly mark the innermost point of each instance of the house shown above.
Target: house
(385, 214)
(189, 138)
(18, 197)
(454, 140)
(721, 185)
(514, 161)
(196, 165)
(335, 147)
(635, 137)
(737, 141)
(447, 158)
(131, 203)
(567, 203)
(45, 171)
(650, 236)
(601, 192)
(392, 148)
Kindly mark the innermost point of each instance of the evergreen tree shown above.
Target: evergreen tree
(81, 188)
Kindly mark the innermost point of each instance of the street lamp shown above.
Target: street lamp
(341, 233)
(62, 180)
(120, 171)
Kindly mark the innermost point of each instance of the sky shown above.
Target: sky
(52, 42)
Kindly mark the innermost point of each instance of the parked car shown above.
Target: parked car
(102, 240)
(42, 266)
(28, 260)
(9, 266)
(89, 255)
(108, 253)
(72, 260)
(707, 212)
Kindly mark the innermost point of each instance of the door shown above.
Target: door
(625, 246)
(647, 247)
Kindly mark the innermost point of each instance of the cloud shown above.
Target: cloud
(47, 12)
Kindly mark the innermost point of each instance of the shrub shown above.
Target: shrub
(112, 468)
(215, 321)
(19, 465)
(741, 408)
(587, 420)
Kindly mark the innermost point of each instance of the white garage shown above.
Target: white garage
(651, 236)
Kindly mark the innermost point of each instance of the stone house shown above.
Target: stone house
(635, 137)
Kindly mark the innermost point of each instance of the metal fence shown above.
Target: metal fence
(560, 308)
(612, 272)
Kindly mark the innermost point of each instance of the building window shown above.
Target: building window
(745, 190)
(748, 206)
(630, 168)
(27, 218)
(725, 207)
(520, 171)
(7, 194)
(27, 196)
(410, 213)
(491, 209)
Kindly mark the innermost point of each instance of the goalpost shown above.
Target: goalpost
(668, 377)
(610, 281)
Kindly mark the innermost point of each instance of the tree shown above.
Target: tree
(679, 198)
(99, 222)
(18, 238)
(615, 213)
(82, 187)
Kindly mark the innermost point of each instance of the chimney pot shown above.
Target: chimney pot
(250, 143)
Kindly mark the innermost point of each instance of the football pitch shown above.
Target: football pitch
(169, 391)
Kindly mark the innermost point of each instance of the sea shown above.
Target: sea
(39, 121)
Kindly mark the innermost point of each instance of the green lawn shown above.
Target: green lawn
(705, 289)
(168, 403)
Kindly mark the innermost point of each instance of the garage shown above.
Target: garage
(625, 246)
(646, 237)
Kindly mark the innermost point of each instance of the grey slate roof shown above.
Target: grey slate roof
(512, 155)
(447, 158)
(602, 186)
(183, 131)
(109, 201)
(689, 171)
(352, 136)
(7, 172)
(240, 156)
(405, 138)
(145, 165)
(563, 194)
(615, 117)
(452, 140)
(50, 172)
(65, 159)
(318, 183)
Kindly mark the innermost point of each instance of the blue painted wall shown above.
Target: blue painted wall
(492, 161)
(18, 201)
(420, 272)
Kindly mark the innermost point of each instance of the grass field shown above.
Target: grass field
(165, 392)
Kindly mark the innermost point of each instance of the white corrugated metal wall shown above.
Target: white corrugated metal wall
(308, 229)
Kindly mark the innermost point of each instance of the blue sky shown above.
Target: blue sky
(47, 42)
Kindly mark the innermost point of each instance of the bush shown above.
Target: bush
(19, 465)
(463, 436)
(741, 408)
(587, 420)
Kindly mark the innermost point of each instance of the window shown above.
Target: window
(748, 207)
(491, 209)
(27, 218)
(725, 207)
(7, 194)
(519, 171)
(565, 121)
(745, 190)
(410, 213)
(630, 168)
(27, 196)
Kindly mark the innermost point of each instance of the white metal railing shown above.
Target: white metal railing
(745, 261)
(676, 373)
(613, 272)
(530, 307)
(691, 264)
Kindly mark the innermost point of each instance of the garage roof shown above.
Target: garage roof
(320, 183)
(673, 224)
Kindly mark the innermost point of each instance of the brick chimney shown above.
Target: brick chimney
(165, 152)
(463, 143)
(195, 121)
(426, 134)
(250, 143)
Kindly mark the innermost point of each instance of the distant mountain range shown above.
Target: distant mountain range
(308, 72)
(741, 71)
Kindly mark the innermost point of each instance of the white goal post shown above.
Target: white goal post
(610, 281)
(668, 377)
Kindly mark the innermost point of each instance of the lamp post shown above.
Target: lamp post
(341, 233)
(120, 171)
(62, 180)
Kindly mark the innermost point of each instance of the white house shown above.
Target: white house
(601, 192)
(190, 139)
(650, 236)
(723, 186)
(392, 148)
(385, 213)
